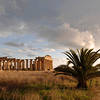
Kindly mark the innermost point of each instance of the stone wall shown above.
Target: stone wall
(43, 63)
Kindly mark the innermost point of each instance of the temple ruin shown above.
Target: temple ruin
(43, 63)
(39, 64)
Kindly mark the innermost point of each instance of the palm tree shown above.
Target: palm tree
(81, 66)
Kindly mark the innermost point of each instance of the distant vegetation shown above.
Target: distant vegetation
(81, 66)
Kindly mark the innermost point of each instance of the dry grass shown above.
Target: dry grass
(29, 85)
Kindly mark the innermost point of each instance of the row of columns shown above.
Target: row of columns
(16, 64)
(39, 63)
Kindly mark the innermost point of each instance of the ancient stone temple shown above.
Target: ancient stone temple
(39, 64)
(43, 63)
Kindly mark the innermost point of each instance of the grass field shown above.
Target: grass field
(29, 85)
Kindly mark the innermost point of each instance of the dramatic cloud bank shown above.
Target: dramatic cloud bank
(29, 28)
(66, 36)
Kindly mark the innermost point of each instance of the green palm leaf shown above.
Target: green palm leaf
(82, 65)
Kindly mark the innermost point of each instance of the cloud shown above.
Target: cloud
(46, 19)
(59, 61)
(22, 16)
(7, 52)
(56, 23)
(14, 44)
(2, 10)
(48, 50)
(28, 51)
(31, 55)
(67, 36)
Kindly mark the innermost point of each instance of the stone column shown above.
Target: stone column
(35, 65)
(43, 65)
(3, 65)
(51, 65)
(0, 65)
(8, 64)
(18, 65)
(31, 64)
(40, 64)
(11, 65)
(23, 64)
(26, 63)
(15, 64)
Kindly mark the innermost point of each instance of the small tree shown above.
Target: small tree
(80, 66)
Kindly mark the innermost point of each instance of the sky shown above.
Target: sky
(30, 28)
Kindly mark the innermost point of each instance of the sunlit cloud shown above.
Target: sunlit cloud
(30, 28)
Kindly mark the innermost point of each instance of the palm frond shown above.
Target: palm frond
(67, 70)
(97, 66)
(75, 57)
(82, 65)
(70, 57)
(94, 57)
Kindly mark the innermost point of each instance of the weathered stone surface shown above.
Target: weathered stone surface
(31, 64)
(23, 65)
(26, 63)
(43, 63)
(39, 64)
